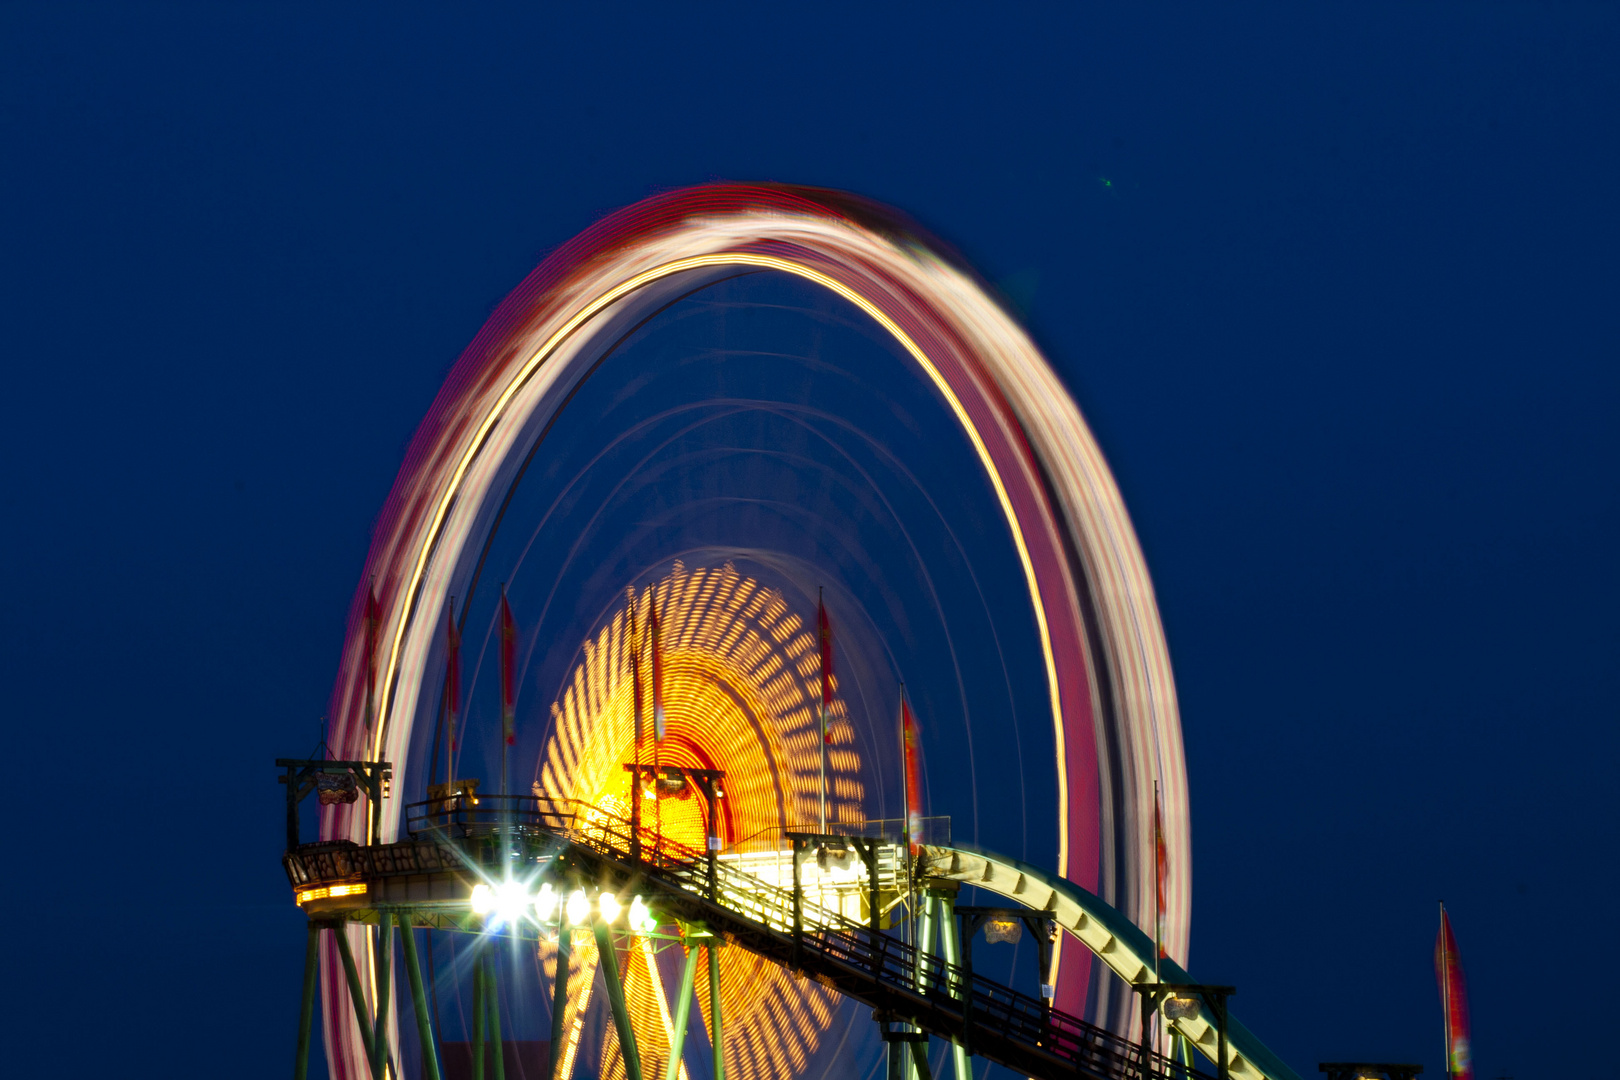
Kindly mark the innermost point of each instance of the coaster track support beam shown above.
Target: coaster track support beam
(717, 1036)
(615, 988)
(683, 1015)
(424, 1019)
(350, 973)
(306, 1010)
(559, 1000)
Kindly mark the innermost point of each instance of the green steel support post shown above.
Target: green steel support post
(385, 957)
(615, 989)
(340, 933)
(492, 987)
(306, 1009)
(718, 1035)
(918, 1052)
(919, 1059)
(966, 942)
(478, 1019)
(683, 1015)
(950, 943)
(424, 1019)
(559, 999)
(925, 940)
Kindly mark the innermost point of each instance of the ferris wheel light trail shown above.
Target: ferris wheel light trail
(1108, 685)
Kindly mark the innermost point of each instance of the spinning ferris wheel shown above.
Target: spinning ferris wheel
(726, 483)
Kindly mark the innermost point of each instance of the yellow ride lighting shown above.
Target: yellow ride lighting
(333, 891)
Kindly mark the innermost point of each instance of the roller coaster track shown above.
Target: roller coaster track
(901, 983)
(1122, 945)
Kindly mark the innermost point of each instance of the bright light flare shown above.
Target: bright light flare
(545, 903)
(642, 920)
(483, 899)
(579, 907)
(510, 900)
(609, 906)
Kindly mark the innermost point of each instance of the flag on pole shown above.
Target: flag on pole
(657, 670)
(508, 672)
(635, 677)
(1454, 998)
(826, 668)
(1161, 874)
(373, 631)
(452, 674)
(908, 739)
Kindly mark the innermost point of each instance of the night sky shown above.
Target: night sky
(1336, 290)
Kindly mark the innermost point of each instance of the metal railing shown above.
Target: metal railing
(462, 816)
(312, 864)
(981, 1008)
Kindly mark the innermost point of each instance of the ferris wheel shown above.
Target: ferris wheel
(733, 411)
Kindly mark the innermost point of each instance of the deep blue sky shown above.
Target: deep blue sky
(1335, 288)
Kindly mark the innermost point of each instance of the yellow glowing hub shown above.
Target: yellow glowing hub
(741, 694)
(330, 891)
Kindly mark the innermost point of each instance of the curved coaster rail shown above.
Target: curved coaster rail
(878, 969)
(1118, 942)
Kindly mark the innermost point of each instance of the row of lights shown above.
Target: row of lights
(324, 891)
(510, 902)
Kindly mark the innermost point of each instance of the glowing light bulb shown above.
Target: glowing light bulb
(579, 907)
(545, 903)
(642, 919)
(608, 905)
(510, 900)
(483, 898)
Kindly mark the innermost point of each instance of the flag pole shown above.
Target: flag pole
(821, 610)
(635, 724)
(508, 723)
(504, 676)
(452, 697)
(658, 703)
(905, 813)
(1158, 913)
(1445, 987)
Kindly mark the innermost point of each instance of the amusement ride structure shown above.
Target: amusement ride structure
(693, 807)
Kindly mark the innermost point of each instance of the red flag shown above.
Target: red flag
(1454, 997)
(1161, 873)
(452, 672)
(373, 631)
(826, 667)
(908, 738)
(657, 674)
(508, 672)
